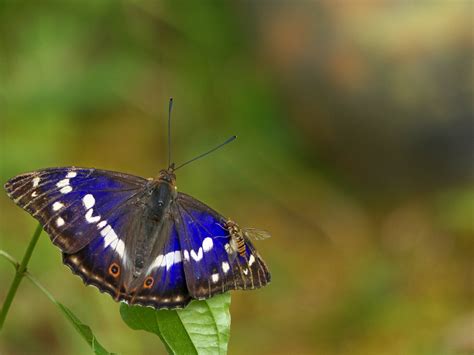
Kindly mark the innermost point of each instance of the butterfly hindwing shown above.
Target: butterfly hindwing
(163, 285)
(210, 266)
(72, 203)
(99, 264)
(251, 263)
(104, 262)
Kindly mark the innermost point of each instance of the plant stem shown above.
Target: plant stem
(20, 271)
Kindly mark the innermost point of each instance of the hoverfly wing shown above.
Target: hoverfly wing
(256, 234)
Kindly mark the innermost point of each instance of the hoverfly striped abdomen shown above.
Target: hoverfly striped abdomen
(240, 245)
(237, 241)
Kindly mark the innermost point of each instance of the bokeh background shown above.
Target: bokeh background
(355, 151)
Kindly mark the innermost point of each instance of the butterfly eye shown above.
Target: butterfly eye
(114, 270)
(148, 282)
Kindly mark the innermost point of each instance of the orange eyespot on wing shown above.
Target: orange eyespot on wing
(114, 269)
(148, 283)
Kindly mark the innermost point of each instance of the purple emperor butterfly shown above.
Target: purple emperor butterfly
(140, 240)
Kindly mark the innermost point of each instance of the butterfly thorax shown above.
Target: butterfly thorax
(162, 194)
(162, 191)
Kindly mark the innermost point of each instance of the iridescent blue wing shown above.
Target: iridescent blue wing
(160, 285)
(73, 203)
(88, 214)
(210, 266)
(163, 284)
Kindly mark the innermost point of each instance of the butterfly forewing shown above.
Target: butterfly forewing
(73, 203)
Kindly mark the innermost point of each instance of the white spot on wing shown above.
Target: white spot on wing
(34, 194)
(88, 201)
(71, 174)
(198, 256)
(105, 231)
(215, 277)
(207, 244)
(177, 256)
(246, 271)
(57, 206)
(120, 249)
(62, 183)
(157, 262)
(110, 237)
(36, 181)
(90, 218)
(101, 224)
(66, 190)
(251, 260)
(186, 255)
(163, 261)
(59, 222)
(113, 245)
(225, 267)
(169, 260)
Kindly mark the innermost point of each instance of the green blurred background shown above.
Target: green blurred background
(355, 151)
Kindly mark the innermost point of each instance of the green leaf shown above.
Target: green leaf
(84, 330)
(203, 327)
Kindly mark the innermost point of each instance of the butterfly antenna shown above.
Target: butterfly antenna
(170, 107)
(206, 153)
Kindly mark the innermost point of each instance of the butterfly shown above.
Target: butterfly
(140, 240)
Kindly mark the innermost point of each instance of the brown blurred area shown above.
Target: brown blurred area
(355, 150)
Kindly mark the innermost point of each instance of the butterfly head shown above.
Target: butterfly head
(167, 175)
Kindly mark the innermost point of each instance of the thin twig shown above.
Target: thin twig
(20, 272)
(10, 258)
